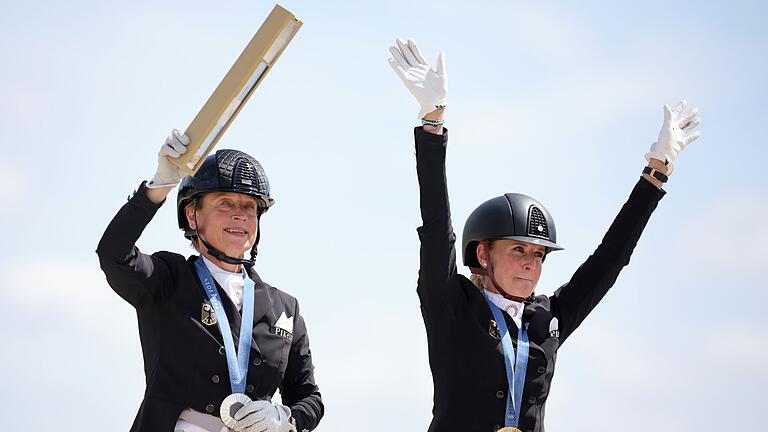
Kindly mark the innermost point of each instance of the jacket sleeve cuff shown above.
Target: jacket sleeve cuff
(141, 200)
(649, 190)
(423, 137)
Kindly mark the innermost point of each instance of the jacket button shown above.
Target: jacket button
(541, 369)
(221, 351)
(209, 408)
(256, 361)
(249, 389)
(531, 400)
(500, 394)
(215, 379)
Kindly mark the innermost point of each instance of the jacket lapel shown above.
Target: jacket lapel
(261, 297)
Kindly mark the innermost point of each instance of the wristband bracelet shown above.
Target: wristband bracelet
(426, 122)
(655, 174)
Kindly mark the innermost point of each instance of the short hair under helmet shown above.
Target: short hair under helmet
(224, 171)
(510, 216)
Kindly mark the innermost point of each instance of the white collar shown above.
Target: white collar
(214, 269)
(231, 282)
(513, 308)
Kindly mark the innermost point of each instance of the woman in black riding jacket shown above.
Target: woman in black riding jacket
(201, 375)
(492, 341)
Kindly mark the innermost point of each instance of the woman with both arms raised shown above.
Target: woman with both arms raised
(492, 341)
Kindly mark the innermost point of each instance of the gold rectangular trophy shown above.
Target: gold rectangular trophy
(256, 60)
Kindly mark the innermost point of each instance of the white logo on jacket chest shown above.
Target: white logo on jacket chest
(284, 327)
(554, 328)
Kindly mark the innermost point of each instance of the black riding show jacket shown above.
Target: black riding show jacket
(465, 354)
(184, 359)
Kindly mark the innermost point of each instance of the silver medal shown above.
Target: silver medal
(229, 407)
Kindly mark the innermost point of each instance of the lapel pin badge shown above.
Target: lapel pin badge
(208, 316)
(493, 330)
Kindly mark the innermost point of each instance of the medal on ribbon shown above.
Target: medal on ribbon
(515, 362)
(237, 361)
(230, 405)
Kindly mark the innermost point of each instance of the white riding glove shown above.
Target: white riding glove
(167, 173)
(263, 416)
(675, 134)
(429, 86)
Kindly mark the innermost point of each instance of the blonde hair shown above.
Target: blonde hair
(478, 281)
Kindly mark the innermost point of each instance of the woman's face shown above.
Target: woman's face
(516, 265)
(228, 221)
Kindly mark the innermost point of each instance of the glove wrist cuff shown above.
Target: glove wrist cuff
(156, 183)
(426, 109)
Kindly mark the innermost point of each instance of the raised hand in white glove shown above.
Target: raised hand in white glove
(168, 174)
(676, 133)
(429, 86)
(263, 416)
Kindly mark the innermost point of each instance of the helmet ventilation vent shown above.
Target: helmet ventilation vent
(243, 174)
(537, 224)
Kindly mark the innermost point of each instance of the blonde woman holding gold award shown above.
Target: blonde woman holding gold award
(492, 340)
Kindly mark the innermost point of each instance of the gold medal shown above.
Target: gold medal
(509, 429)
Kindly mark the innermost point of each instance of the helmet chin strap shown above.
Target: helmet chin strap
(496, 284)
(221, 256)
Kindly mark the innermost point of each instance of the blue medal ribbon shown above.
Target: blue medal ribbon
(516, 370)
(237, 362)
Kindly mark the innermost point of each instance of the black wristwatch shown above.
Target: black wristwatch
(658, 175)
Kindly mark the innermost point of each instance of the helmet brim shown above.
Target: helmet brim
(532, 240)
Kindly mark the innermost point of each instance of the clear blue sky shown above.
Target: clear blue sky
(553, 99)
